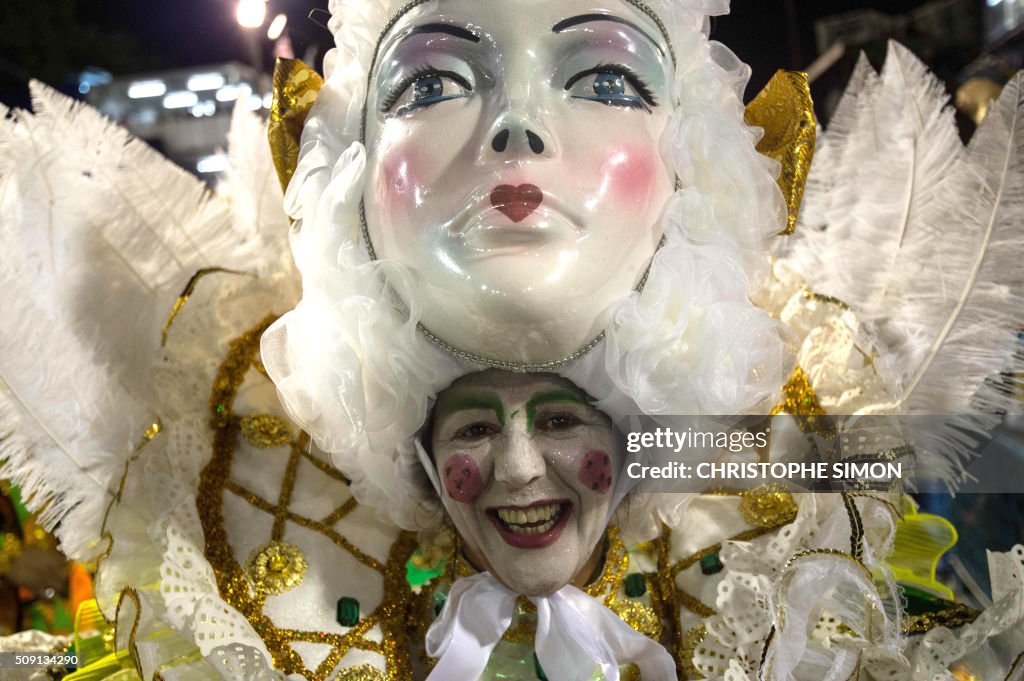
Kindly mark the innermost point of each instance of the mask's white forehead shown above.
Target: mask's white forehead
(367, 20)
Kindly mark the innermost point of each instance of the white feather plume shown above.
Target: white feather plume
(252, 188)
(99, 235)
(922, 238)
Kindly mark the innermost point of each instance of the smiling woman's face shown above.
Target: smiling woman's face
(514, 164)
(527, 468)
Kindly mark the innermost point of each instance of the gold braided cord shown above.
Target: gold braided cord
(856, 528)
(189, 289)
(958, 615)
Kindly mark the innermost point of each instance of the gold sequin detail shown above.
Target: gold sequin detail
(296, 87)
(786, 113)
(768, 506)
(232, 579)
(265, 431)
(276, 568)
(363, 672)
(639, 616)
(799, 400)
(694, 637)
(616, 563)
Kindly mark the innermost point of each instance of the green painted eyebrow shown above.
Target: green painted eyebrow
(547, 397)
(489, 401)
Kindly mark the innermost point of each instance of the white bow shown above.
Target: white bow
(575, 634)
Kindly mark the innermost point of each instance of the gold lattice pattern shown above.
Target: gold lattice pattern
(278, 566)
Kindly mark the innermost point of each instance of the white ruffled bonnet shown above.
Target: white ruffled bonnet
(351, 366)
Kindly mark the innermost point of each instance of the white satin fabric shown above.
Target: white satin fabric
(575, 634)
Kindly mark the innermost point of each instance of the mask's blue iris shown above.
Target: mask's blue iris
(609, 85)
(428, 88)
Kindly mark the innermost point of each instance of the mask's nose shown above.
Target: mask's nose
(519, 129)
(534, 141)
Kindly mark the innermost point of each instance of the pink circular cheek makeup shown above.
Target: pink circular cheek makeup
(631, 173)
(596, 471)
(462, 478)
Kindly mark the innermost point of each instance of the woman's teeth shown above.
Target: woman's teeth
(533, 520)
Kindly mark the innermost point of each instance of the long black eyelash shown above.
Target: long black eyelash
(638, 83)
(420, 72)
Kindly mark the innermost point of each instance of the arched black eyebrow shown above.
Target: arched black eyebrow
(587, 18)
(450, 29)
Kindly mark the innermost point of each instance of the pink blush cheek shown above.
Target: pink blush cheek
(630, 174)
(596, 471)
(462, 478)
(398, 177)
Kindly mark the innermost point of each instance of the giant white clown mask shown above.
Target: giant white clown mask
(514, 166)
(526, 468)
(486, 183)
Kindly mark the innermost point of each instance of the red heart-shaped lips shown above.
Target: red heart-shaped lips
(516, 202)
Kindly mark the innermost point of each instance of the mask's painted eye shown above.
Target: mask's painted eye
(614, 85)
(425, 87)
(428, 87)
(609, 85)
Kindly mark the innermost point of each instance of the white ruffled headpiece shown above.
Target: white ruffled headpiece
(351, 367)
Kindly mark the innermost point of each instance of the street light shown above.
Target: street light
(277, 26)
(251, 13)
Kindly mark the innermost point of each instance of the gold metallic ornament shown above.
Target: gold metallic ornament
(785, 111)
(265, 431)
(768, 506)
(276, 568)
(296, 87)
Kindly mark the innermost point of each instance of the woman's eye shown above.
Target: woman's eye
(618, 87)
(557, 422)
(425, 89)
(476, 431)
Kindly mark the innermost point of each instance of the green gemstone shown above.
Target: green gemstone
(636, 585)
(220, 409)
(348, 611)
(439, 601)
(711, 564)
(540, 670)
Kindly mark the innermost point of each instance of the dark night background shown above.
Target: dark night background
(53, 39)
